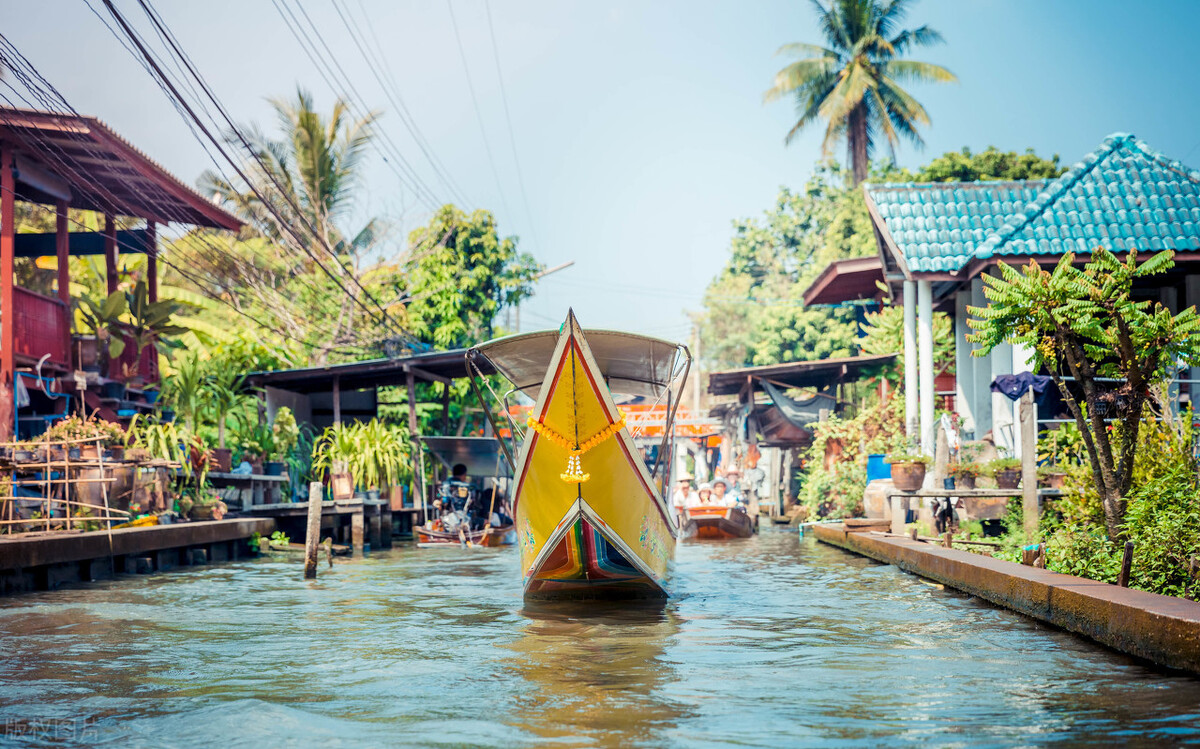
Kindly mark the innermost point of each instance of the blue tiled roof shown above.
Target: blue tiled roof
(1123, 196)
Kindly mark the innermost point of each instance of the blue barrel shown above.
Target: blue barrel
(877, 468)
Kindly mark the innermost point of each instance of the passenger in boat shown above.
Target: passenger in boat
(454, 498)
(703, 496)
(733, 494)
(679, 500)
(721, 495)
(495, 501)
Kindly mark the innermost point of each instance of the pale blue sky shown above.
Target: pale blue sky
(639, 126)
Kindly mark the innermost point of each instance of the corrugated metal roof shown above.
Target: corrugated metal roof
(1123, 196)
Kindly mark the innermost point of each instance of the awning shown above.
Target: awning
(434, 366)
(631, 364)
(846, 281)
(817, 374)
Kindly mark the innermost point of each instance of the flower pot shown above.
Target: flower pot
(151, 397)
(908, 477)
(373, 494)
(113, 390)
(274, 467)
(167, 415)
(202, 512)
(223, 458)
(74, 453)
(116, 452)
(1054, 480)
(90, 451)
(87, 353)
(256, 467)
(1009, 479)
(22, 456)
(964, 482)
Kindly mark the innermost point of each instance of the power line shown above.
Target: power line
(475, 102)
(512, 138)
(267, 204)
(377, 64)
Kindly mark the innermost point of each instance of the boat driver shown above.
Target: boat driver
(721, 494)
(455, 495)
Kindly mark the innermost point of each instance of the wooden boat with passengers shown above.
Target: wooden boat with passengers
(717, 521)
(590, 516)
(484, 461)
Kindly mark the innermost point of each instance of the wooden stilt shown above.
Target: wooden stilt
(313, 531)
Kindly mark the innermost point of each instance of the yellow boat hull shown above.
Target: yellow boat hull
(608, 536)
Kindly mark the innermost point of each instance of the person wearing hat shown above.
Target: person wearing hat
(721, 495)
(683, 494)
(703, 496)
(733, 495)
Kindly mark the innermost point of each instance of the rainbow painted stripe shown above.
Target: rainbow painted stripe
(584, 559)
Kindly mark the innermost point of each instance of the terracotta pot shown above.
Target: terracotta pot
(1009, 479)
(223, 457)
(1054, 480)
(908, 477)
(117, 452)
(964, 482)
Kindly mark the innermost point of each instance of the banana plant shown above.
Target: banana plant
(150, 322)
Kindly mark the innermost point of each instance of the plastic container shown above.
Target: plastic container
(877, 468)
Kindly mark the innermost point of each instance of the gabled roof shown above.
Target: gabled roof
(81, 160)
(937, 226)
(1123, 196)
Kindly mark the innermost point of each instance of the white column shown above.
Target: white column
(1169, 297)
(910, 360)
(925, 362)
(981, 403)
(1004, 423)
(964, 368)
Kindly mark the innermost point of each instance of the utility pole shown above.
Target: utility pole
(696, 381)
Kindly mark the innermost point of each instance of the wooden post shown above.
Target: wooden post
(337, 400)
(8, 210)
(1029, 495)
(898, 514)
(111, 274)
(152, 261)
(356, 530)
(313, 532)
(1126, 565)
(446, 408)
(947, 540)
(418, 479)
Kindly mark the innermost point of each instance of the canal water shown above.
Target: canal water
(765, 642)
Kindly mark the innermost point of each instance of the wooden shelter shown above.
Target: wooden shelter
(64, 161)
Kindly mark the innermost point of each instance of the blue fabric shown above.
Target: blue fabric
(1015, 385)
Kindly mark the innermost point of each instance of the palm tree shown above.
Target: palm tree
(308, 176)
(853, 83)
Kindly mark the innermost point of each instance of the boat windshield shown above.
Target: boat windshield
(631, 364)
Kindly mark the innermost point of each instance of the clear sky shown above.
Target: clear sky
(639, 127)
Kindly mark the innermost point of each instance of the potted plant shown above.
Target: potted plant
(908, 470)
(224, 396)
(964, 473)
(1007, 472)
(75, 429)
(103, 318)
(149, 323)
(285, 434)
(1051, 476)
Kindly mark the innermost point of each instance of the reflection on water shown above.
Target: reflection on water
(765, 642)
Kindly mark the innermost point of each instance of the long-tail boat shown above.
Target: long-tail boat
(590, 515)
(717, 521)
(483, 460)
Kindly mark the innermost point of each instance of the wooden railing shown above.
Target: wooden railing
(40, 327)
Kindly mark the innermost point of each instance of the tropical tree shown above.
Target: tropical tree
(1087, 324)
(298, 266)
(853, 83)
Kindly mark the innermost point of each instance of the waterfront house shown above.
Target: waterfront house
(937, 240)
(58, 162)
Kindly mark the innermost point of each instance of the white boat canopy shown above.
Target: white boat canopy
(481, 455)
(631, 364)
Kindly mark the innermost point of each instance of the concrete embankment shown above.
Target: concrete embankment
(43, 562)
(1161, 629)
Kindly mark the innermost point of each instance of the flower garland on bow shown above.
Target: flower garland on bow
(574, 473)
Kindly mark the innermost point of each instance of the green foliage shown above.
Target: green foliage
(1003, 464)
(280, 539)
(990, 165)
(285, 432)
(462, 274)
(835, 493)
(833, 479)
(754, 311)
(1086, 322)
(76, 428)
(852, 83)
(965, 469)
(884, 334)
(903, 457)
(160, 440)
(376, 454)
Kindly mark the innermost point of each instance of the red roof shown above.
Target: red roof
(846, 280)
(103, 171)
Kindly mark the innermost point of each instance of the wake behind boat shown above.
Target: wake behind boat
(590, 516)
